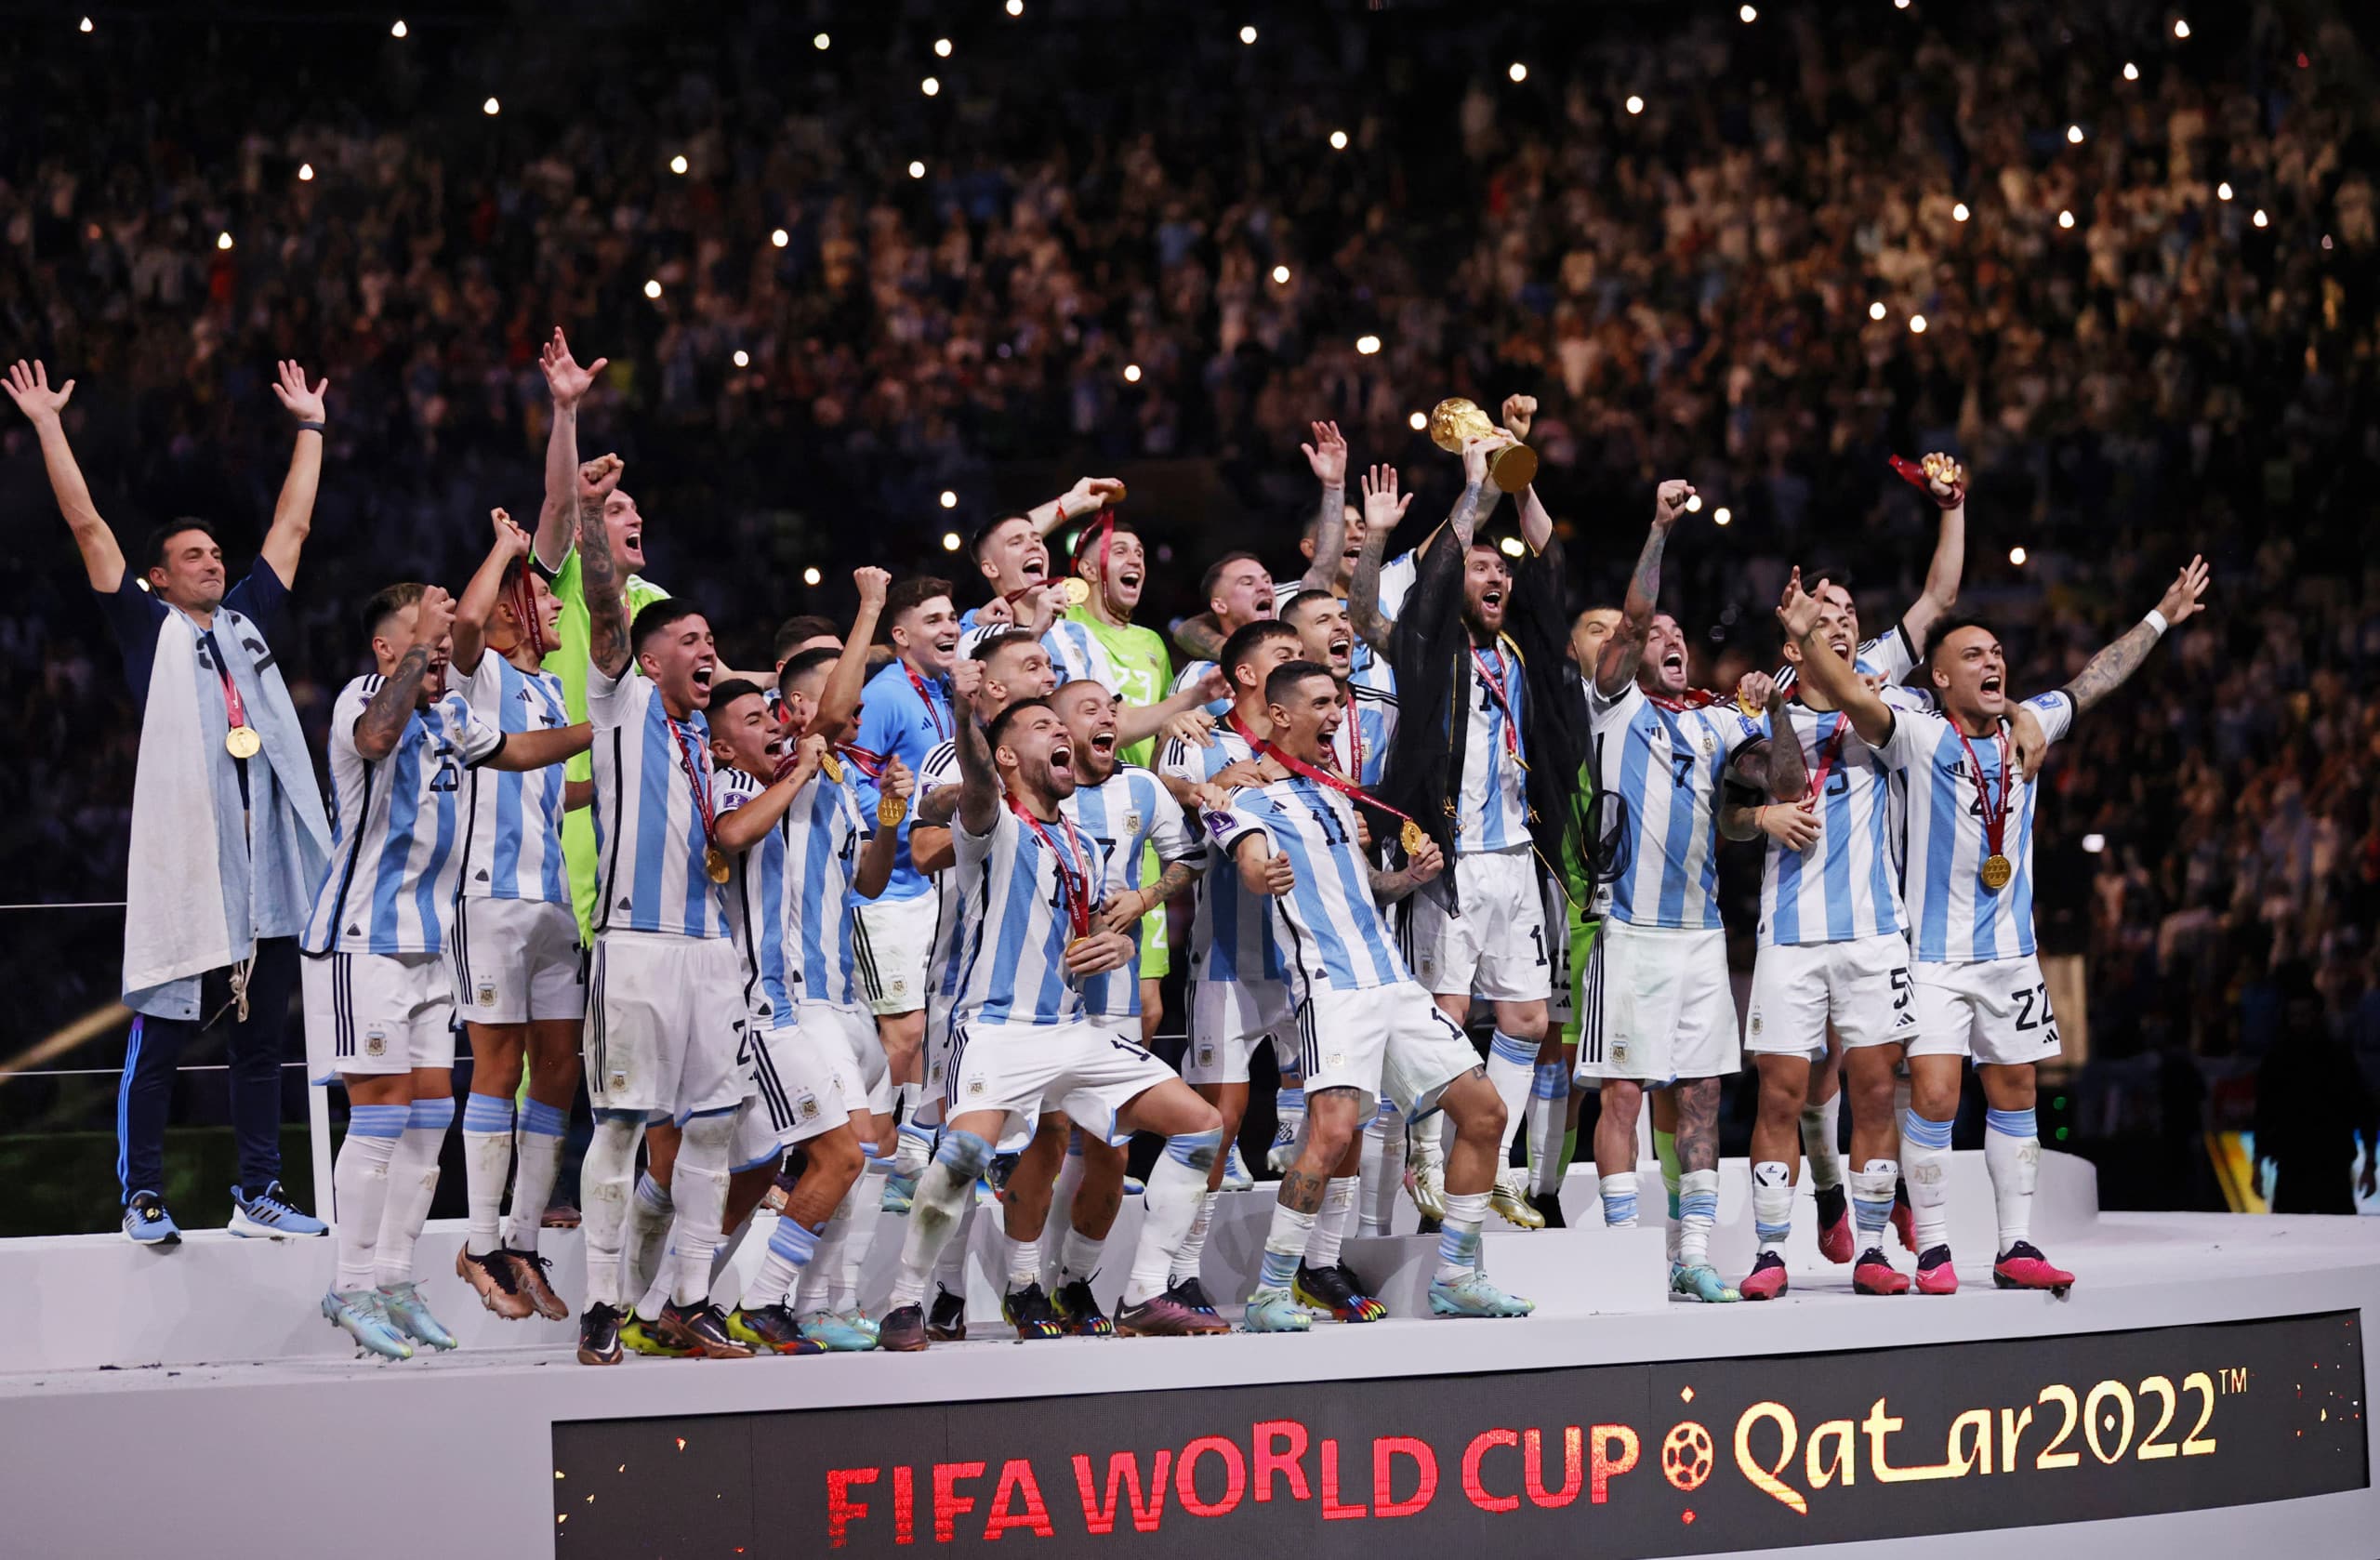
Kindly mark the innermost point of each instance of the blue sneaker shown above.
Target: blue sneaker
(1134, 1186)
(1474, 1295)
(269, 1213)
(835, 1335)
(410, 1315)
(360, 1315)
(899, 1192)
(1702, 1282)
(146, 1222)
(1236, 1176)
(859, 1320)
(1275, 1311)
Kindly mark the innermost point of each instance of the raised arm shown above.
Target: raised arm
(2108, 669)
(383, 720)
(1615, 666)
(541, 749)
(979, 783)
(1945, 482)
(293, 513)
(1383, 510)
(28, 386)
(839, 694)
(1829, 673)
(1327, 456)
(478, 605)
(740, 829)
(607, 611)
(1089, 496)
(875, 869)
(569, 384)
(1537, 526)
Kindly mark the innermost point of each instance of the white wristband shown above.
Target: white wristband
(2157, 620)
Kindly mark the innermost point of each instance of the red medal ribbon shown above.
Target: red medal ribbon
(1352, 792)
(1995, 821)
(1492, 673)
(870, 765)
(697, 780)
(235, 712)
(1828, 751)
(926, 698)
(1072, 865)
(1693, 699)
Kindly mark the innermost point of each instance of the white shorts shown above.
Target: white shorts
(376, 1014)
(1386, 1042)
(517, 960)
(1863, 985)
(1659, 1006)
(800, 1084)
(1496, 948)
(856, 1030)
(1229, 1020)
(890, 941)
(1025, 1069)
(1996, 1011)
(664, 1022)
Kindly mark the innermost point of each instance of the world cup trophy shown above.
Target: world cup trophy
(1455, 419)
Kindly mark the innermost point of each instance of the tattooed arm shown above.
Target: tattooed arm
(979, 783)
(568, 383)
(1201, 636)
(383, 720)
(1616, 668)
(1327, 456)
(607, 610)
(2111, 666)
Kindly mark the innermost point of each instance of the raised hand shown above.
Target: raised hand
(1328, 454)
(1937, 476)
(1519, 412)
(2181, 599)
(873, 583)
(966, 679)
(28, 386)
(1798, 611)
(1383, 505)
(1091, 493)
(1668, 501)
(510, 540)
(1475, 452)
(1757, 690)
(304, 404)
(433, 617)
(598, 477)
(564, 378)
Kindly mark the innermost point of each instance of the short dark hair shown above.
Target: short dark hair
(998, 729)
(1241, 647)
(1114, 524)
(1942, 632)
(1208, 581)
(992, 644)
(659, 617)
(386, 602)
(910, 594)
(153, 546)
(982, 536)
(801, 666)
(724, 694)
(809, 625)
(1300, 600)
(1285, 677)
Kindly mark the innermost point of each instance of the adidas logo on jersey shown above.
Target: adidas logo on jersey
(481, 876)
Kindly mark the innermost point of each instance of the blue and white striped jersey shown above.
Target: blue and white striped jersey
(1015, 950)
(959, 901)
(1188, 679)
(1360, 751)
(396, 828)
(1848, 884)
(1953, 919)
(649, 842)
(513, 832)
(1328, 926)
(1657, 781)
(1126, 813)
(756, 910)
(1231, 936)
(1494, 808)
(1079, 656)
(824, 830)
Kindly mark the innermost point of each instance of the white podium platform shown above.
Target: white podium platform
(145, 1396)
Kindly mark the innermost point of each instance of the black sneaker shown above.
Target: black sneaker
(995, 1174)
(1549, 1208)
(1080, 1309)
(1336, 1290)
(1428, 1226)
(599, 1336)
(902, 1330)
(948, 1323)
(1029, 1311)
(1190, 1293)
(701, 1330)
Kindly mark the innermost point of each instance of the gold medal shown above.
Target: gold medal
(241, 742)
(1412, 836)
(715, 863)
(1997, 871)
(1077, 590)
(890, 809)
(832, 767)
(1749, 705)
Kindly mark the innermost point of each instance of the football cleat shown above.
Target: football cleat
(992, 1186)
(772, 1330)
(1835, 1242)
(360, 1315)
(1236, 1176)
(1474, 1295)
(1028, 1309)
(948, 1322)
(599, 1336)
(1271, 1310)
(2022, 1267)
(559, 1216)
(1134, 1186)
(1549, 1208)
(701, 1331)
(835, 1335)
(1284, 1152)
(1192, 1293)
(1167, 1315)
(1080, 1309)
(496, 1282)
(899, 1192)
(641, 1337)
(272, 1214)
(858, 1321)
(1874, 1276)
(1701, 1281)
(1904, 1217)
(1427, 1186)
(1335, 1292)
(1934, 1273)
(904, 1330)
(410, 1314)
(146, 1222)
(1767, 1280)
(529, 1272)
(1509, 1196)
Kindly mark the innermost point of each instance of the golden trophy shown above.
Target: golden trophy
(1454, 419)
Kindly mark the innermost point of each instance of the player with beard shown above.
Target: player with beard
(1023, 1040)
(1968, 846)
(1011, 551)
(380, 996)
(519, 978)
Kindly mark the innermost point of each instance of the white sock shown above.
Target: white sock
(1176, 1209)
(1697, 1210)
(1080, 1256)
(1512, 1072)
(1023, 1263)
(1926, 1164)
(793, 1250)
(1285, 1243)
(1383, 1169)
(817, 1289)
(950, 1268)
(867, 1215)
(1549, 1117)
(2012, 1151)
(1425, 1151)
(537, 1150)
(1872, 1201)
(1458, 1235)
(912, 1150)
(360, 1183)
(1619, 1200)
(413, 1183)
(1820, 1124)
(698, 1187)
(944, 1192)
(603, 1181)
(487, 1164)
(1331, 1226)
(645, 1254)
(1772, 1204)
